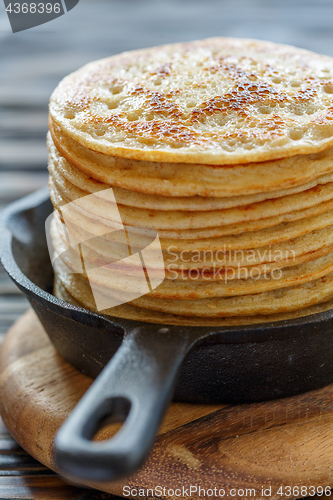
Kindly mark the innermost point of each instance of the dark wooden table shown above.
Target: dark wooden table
(31, 64)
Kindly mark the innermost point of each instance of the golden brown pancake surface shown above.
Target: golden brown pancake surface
(216, 101)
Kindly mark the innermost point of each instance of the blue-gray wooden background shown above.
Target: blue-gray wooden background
(32, 63)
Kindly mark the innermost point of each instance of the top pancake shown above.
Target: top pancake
(218, 101)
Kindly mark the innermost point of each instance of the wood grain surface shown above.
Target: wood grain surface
(32, 63)
(275, 444)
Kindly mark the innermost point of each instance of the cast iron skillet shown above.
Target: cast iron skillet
(151, 363)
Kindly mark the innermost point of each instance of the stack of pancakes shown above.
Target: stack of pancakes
(214, 158)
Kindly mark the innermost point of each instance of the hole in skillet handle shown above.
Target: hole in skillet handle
(136, 386)
(115, 412)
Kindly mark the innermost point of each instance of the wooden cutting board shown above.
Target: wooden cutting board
(271, 446)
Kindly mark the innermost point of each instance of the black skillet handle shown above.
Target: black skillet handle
(136, 386)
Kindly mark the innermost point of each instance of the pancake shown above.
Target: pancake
(248, 239)
(218, 101)
(124, 277)
(213, 276)
(272, 302)
(78, 292)
(315, 243)
(60, 169)
(306, 220)
(177, 219)
(181, 179)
